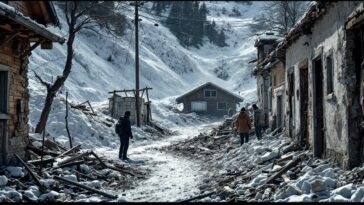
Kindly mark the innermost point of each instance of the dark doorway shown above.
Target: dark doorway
(304, 105)
(355, 128)
(291, 101)
(279, 111)
(318, 116)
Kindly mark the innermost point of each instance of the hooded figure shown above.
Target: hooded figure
(123, 129)
(258, 121)
(243, 125)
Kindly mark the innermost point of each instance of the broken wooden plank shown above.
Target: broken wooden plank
(69, 164)
(73, 149)
(198, 197)
(75, 157)
(103, 164)
(38, 161)
(30, 171)
(85, 187)
(86, 176)
(49, 143)
(98, 158)
(39, 151)
(285, 168)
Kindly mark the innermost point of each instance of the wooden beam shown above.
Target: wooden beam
(74, 158)
(69, 164)
(38, 161)
(198, 197)
(30, 171)
(8, 39)
(133, 90)
(85, 187)
(73, 149)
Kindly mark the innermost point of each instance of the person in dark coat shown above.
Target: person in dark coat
(243, 125)
(258, 121)
(123, 129)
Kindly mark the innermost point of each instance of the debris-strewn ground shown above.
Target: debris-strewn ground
(268, 170)
(89, 170)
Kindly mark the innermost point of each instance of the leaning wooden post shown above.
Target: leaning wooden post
(66, 118)
(113, 104)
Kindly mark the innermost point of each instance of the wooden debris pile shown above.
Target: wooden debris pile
(68, 174)
(214, 148)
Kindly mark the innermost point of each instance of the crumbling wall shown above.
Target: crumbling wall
(328, 38)
(123, 104)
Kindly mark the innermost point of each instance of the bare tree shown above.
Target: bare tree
(279, 16)
(79, 16)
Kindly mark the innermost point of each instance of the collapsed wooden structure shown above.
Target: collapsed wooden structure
(58, 159)
(22, 23)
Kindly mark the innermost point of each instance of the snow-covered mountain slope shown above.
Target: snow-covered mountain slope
(103, 63)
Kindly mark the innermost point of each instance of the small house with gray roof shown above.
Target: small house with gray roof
(210, 99)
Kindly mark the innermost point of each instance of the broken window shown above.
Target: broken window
(210, 93)
(221, 106)
(330, 74)
(3, 92)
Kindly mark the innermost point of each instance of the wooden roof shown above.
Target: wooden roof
(12, 20)
(237, 97)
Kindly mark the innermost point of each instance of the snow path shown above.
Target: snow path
(172, 178)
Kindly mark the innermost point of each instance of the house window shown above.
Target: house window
(330, 74)
(3, 92)
(221, 106)
(210, 93)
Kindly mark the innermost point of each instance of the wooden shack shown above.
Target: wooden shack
(22, 29)
(210, 99)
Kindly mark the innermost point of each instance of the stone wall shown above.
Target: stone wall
(18, 98)
(328, 38)
(123, 104)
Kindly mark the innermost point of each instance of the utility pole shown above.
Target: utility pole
(136, 21)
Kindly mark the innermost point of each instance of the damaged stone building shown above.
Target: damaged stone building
(22, 23)
(323, 73)
(270, 80)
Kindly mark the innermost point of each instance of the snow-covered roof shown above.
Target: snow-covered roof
(15, 15)
(308, 19)
(267, 38)
(212, 84)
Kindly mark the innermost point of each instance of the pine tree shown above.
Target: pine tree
(221, 38)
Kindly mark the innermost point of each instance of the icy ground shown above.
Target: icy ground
(172, 177)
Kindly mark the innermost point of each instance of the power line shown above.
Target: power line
(189, 19)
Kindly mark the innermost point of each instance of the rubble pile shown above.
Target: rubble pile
(272, 169)
(65, 175)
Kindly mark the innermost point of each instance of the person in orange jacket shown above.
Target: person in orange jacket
(243, 125)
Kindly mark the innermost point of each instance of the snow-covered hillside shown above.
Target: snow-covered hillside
(103, 63)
